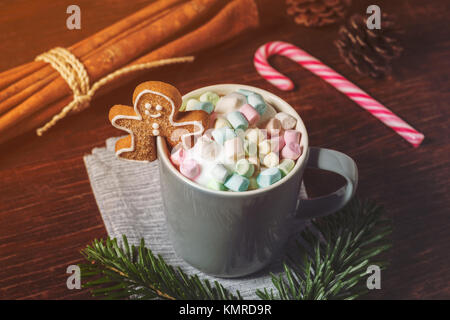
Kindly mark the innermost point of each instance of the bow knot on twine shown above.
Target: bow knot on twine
(74, 73)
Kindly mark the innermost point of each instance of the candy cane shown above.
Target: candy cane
(335, 79)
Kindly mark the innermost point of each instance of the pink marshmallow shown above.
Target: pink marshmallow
(292, 151)
(292, 136)
(250, 113)
(178, 156)
(189, 168)
(277, 143)
(273, 127)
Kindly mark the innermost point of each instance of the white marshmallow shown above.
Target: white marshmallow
(221, 122)
(206, 148)
(264, 147)
(271, 160)
(287, 121)
(219, 173)
(191, 104)
(230, 102)
(234, 149)
(255, 135)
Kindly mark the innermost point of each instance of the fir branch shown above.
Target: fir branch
(337, 251)
(117, 272)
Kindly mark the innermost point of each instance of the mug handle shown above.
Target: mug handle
(337, 162)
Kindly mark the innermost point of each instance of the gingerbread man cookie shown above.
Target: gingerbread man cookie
(155, 113)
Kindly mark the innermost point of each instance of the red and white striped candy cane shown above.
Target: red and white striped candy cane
(335, 79)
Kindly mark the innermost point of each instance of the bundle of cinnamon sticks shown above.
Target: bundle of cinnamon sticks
(31, 94)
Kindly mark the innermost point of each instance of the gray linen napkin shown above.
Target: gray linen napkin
(129, 198)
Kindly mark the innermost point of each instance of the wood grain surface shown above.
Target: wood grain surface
(48, 212)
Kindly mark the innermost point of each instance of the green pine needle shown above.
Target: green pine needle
(336, 251)
(117, 272)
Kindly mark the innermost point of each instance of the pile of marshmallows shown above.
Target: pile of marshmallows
(248, 146)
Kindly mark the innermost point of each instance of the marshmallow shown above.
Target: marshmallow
(273, 127)
(244, 168)
(223, 134)
(183, 105)
(247, 134)
(264, 147)
(209, 96)
(230, 102)
(206, 148)
(285, 166)
(194, 104)
(271, 160)
(268, 114)
(214, 185)
(292, 136)
(189, 168)
(255, 135)
(277, 143)
(268, 177)
(250, 113)
(219, 173)
(221, 123)
(287, 121)
(234, 149)
(237, 183)
(291, 151)
(177, 156)
(237, 120)
(257, 102)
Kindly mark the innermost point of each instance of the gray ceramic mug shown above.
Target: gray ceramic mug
(232, 234)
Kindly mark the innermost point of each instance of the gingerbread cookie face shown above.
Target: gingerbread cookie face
(155, 113)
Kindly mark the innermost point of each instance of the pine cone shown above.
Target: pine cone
(370, 52)
(317, 13)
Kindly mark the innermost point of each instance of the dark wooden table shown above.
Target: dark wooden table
(48, 212)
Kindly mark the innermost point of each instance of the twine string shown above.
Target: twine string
(74, 73)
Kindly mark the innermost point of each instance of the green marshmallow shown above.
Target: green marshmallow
(245, 168)
(285, 166)
(210, 96)
(214, 185)
(183, 105)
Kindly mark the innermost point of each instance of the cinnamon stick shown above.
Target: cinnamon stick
(10, 76)
(114, 57)
(236, 17)
(19, 91)
(83, 47)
